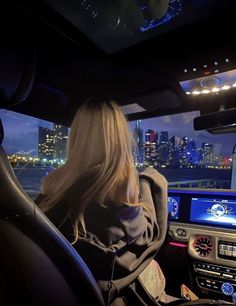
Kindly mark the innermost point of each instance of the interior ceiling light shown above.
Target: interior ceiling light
(214, 90)
(214, 83)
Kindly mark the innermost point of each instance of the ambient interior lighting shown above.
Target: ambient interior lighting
(215, 90)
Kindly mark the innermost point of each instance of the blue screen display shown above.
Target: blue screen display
(173, 207)
(217, 212)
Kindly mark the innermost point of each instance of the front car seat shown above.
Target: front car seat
(38, 266)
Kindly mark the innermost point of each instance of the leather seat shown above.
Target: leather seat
(38, 266)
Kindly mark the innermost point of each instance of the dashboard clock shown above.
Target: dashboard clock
(227, 288)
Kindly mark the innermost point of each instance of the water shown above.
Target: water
(31, 178)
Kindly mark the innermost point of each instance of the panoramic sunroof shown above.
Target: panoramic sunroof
(117, 24)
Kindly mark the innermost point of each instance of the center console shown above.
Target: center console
(206, 222)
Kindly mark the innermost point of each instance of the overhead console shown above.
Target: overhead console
(205, 221)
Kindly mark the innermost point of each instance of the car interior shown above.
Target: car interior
(163, 62)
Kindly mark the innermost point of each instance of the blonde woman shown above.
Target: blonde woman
(114, 218)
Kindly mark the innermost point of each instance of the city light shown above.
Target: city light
(158, 150)
(215, 89)
(206, 91)
(196, 92)
(226, 87)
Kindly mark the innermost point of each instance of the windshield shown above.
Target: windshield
(187, 158)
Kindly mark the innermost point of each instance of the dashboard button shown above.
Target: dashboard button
(181, 232)
(229, 250)
(228, 276)
(234, 251)
(222, 249)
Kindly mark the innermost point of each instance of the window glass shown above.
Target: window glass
(187, 158)
(34, 147)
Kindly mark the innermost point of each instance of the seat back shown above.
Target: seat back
(19, 213)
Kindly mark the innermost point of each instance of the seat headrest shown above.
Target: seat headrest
(1, 132)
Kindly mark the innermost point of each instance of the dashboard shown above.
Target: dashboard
(209, 208)
(204, 221)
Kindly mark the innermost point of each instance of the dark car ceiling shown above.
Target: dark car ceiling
(66, 68)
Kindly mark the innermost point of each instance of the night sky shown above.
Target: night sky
(21, 132)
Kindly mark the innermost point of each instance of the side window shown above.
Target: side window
(187, 158)
(34, 148)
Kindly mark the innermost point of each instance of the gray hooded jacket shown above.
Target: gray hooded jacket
(121, 240)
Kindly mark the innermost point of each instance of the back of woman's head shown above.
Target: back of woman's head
(99, 167)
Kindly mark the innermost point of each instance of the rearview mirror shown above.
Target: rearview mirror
(217, 122)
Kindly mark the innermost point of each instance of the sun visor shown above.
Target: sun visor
(152, 101)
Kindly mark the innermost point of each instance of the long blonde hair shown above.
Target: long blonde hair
(99, 167)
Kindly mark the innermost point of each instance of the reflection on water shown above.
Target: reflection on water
(31, 178)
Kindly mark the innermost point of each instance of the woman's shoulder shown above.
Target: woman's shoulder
(154, 177)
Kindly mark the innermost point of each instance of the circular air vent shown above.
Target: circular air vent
(202, 246)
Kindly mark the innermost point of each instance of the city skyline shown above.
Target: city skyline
(21, 132)
(181, 125)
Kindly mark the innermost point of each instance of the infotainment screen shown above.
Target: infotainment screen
(216, 212)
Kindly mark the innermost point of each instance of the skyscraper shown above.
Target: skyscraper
(173, 151)
(45, 143)
(150, 146)
(164, 137)
(60, 134)
(207, 153)
(138, 136)
(52, 143)
(183, 156)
